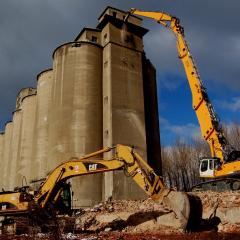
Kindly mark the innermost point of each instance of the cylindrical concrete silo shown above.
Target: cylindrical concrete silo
(76, 113)
(15, 148)
(6, 155)
(1, 158)
(24, 166)
(40, 147)
(22, 94)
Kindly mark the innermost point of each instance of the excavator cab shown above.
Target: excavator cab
(208, 166)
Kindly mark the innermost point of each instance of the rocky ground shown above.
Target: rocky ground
(224, 207)
(145, 219)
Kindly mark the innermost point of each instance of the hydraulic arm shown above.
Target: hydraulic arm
(211, 129)
(125, 159)
(208, 120)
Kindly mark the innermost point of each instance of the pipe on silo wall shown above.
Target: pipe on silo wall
(76, 113)
(6, 155)
(40, 146)
(24, 166)
(15, 148)
(1, 159)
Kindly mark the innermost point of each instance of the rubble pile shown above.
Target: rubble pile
(146, 219)
(221, 212)
(223, 208)
(134, 216)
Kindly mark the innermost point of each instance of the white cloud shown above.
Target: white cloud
(186, 131)
(233, 105)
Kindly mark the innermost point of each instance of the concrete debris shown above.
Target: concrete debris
(222, 209)
(221, 212)
(124, 215)
(90, 238)
(70, 236)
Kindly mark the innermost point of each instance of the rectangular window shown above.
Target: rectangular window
(94, 39)
(105, 37)
(211, 164)
(114, 14)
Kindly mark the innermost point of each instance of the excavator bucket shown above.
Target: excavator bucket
(186, 208)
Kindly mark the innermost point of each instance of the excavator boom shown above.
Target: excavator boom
(223, 155)
(208, 120)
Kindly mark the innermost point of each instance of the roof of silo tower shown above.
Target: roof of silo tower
(113, 12)
(44, 71)
(116, 17)
(86, 29)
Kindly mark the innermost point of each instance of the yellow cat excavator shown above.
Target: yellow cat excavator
(224, 160)
(187, 208)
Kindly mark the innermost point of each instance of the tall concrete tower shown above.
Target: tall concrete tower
(125, 94)
(123, 97)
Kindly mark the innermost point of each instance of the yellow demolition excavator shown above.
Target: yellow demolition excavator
(224, 161)
(187, 208)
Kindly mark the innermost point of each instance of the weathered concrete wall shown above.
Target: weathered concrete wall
(24, 166)
(6, 155)
(151, 116)
(1, 158)
(76, 113)
(15, 148)
(123, 100)
(41, 133)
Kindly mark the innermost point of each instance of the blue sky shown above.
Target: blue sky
(212, 30)
(178, 119)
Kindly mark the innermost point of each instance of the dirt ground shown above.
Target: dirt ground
(120, 220)
(131, 236)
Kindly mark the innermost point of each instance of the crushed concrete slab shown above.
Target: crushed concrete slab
(139, 215)
(224, 207)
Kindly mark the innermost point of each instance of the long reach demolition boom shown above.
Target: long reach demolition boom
(224, 159)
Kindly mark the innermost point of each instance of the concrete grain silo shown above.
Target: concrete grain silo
(15, 148)
(102, 91)
(41, 138)
(24, 166)
(6, 155)
(76, 113)
(1, 158)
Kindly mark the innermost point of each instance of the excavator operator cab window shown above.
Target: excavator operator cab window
(204, 165)
(211, 164)
(207, 167)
